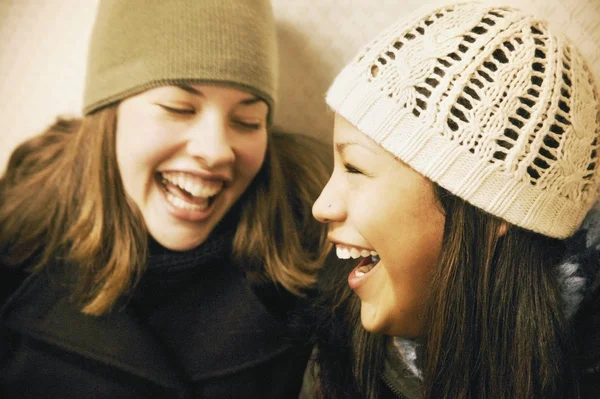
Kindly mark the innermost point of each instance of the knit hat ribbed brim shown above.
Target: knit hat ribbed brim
(487, 102)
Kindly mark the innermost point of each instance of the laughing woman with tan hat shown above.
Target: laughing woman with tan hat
(158, 247)
(466, 148)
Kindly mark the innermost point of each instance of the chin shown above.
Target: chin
(180, 247)
(370, 320)
(180, 244)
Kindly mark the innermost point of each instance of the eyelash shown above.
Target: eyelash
(186, 111)
(352, 170)
(247, 126)
(179, 111)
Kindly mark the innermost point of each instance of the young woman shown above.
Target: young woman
(466, 159)
(159, 246)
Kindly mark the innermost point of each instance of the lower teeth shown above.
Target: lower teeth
(179, 203)
(361, 271)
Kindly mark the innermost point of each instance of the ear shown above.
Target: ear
(503, 228)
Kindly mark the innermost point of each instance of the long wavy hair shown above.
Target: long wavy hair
(494, 326)
(62, 202)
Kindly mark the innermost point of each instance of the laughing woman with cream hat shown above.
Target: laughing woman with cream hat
(467, 166)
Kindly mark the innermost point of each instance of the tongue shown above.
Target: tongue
(365, 269)
(365, 266)
(184, 195)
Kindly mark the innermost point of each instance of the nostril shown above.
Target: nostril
(328, 207)
(211, 155)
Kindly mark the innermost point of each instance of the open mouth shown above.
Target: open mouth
(370, 259)
(187, 192)
(366, 265)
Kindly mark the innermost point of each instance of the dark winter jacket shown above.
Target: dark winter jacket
(192, 329)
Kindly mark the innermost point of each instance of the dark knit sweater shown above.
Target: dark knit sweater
(193, 327)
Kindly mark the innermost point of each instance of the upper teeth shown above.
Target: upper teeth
(345, 252)
(194, 185)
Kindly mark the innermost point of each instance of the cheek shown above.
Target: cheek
(413, 261)
(141, 145)
(412, 273)
(414, 241)
(250, 154)
(410, 238)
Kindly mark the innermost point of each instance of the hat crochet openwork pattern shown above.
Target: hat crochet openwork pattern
(487, 102)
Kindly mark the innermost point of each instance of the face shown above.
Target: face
(384, 214)
(186, 154)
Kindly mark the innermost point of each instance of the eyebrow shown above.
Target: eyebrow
(250, 101)
(196, 92)
(341, 147)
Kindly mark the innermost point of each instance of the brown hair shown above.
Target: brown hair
(494, 326)
(63, 203)
(278, 233)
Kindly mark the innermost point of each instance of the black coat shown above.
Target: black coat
(211, 337)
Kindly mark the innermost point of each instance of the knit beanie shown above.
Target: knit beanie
(488, 103)
(140, 44)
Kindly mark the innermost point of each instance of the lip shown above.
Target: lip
(356, 282)
(188, 215)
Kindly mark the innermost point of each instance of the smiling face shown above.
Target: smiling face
(186, 154)
(375, 204)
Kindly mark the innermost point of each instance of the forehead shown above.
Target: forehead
(345, 132)
(348, 136)
(204, 91)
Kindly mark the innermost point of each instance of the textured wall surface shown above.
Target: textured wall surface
(44, 43)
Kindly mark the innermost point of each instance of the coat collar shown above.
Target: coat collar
(578, 273)
(184, 339)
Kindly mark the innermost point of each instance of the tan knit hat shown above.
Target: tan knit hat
(488, 103)
(140, 44)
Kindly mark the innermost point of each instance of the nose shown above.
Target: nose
(209, 140)
(329, 207)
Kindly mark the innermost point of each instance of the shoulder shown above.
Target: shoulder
(579, 281)
(586, 324)
(11, 279)
(25, 286)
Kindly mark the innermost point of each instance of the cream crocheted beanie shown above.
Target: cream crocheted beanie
(487, 102)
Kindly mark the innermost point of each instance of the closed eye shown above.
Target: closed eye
(352, 170)
(247, 125)
(176, 110)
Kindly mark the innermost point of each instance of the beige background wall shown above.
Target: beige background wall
(44, 42)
